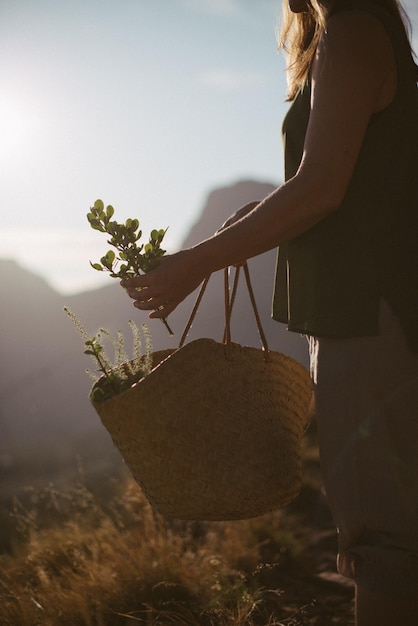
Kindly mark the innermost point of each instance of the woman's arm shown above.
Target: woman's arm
(354, 75)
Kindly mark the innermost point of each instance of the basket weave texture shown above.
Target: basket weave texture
(214, 431)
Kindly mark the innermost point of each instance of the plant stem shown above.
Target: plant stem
(108, 375)
(164, 321)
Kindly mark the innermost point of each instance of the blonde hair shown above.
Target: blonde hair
(300, 34)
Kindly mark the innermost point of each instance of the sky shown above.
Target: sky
(146, 104)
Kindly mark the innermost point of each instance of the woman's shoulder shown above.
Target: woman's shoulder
(356, 21)
(368, 18)
(358, 38)
(374, 31)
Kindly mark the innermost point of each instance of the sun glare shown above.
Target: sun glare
(19, 126)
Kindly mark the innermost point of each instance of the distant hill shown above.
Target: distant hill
(221, 203)
(43, 385)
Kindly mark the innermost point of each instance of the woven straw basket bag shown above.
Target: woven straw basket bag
(214, 431)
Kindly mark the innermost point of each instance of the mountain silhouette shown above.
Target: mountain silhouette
(43, 385)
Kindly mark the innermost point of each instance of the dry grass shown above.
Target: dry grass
(85, 563)
(107, 560)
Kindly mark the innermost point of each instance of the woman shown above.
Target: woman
(346, 224)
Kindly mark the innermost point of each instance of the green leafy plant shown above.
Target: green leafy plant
(113, 377)
(131, 258)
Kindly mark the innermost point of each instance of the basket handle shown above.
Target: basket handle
(229, 302)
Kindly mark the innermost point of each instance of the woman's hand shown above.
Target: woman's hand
(162, 289)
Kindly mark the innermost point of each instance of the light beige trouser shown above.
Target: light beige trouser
(366, 395)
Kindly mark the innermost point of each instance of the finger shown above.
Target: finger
(137, 282)
(147, 304)
(138, 293)
(145, 295)
(163, 310)
(160, 306)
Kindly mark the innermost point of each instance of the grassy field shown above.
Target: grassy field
(95, 554)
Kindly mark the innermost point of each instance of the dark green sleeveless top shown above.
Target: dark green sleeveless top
(329, 280)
